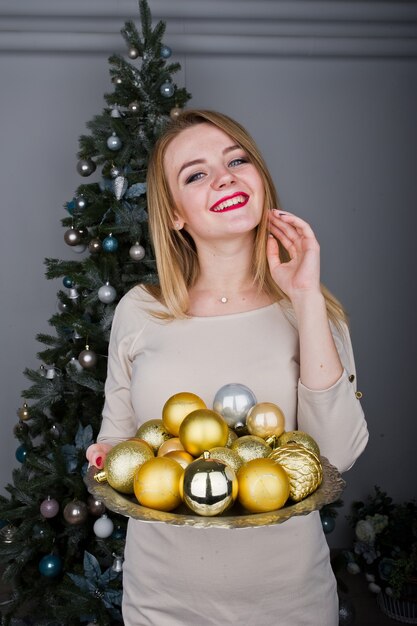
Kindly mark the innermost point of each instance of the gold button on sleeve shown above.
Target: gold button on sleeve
(359, 394)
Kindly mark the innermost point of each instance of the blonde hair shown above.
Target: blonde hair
(175, 252)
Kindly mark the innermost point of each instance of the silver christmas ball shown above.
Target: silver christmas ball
(116, 80)
(62, 306)
(86, 167)
(75, 512)
(133, 53)
(137, 252)
(233, 402)
(114, 142)
(134, 107)
(103, 527)
(94, 246)
(208, 486)
(80, 248)
(87, 358)
(80, 203)
(72, 237)
(107, 294)
(167, 89)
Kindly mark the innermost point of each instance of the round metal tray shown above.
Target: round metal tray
(329, 491)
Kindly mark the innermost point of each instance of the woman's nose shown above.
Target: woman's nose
(223, 178)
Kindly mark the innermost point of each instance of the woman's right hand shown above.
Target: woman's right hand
(96, 454)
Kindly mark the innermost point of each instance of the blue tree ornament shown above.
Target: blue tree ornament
(50, 565)
(110, 244)
(21, 454)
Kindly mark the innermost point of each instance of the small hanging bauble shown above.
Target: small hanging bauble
(133, 53)
(72, 237)
(23, 412)
(175, 112)
(80, 203)
(75, 512)
(39, 531)
(50, 565)
(107, 293)
(103, 527)
(115, 112)
(134, 107)
(49, 507)
(76, 335)
(328, 523)
(119, 186)
(73, 294)
(21, 429)
(94, 246)
(75, 363)
(121, 463)
(67, 282)
(87, 358)
(62, 306)
(137, 252)
(233, 402)
(167, 89)
(95, 507)
(156, 484)
(7, 534)
(117, 563)
(50, 373)
(114, 142)
(55, 431)
(110, 244)
(86, 167)
(166, 52)
(118, 533)
(21, 454)
(80, 248)
(116, 80)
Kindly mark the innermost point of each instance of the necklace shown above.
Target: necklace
(224, 300)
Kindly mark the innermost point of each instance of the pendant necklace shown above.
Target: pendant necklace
(224, 300)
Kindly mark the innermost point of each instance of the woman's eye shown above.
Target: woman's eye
(194, 177)
(238, 161)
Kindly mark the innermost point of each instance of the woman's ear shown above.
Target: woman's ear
(178, 223)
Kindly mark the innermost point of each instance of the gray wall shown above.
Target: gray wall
(331, 101)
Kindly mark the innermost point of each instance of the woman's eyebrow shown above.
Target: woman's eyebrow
(198, 161)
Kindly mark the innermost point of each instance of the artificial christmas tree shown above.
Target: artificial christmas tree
(58, 544)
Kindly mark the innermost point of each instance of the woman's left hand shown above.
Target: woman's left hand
(301, 274)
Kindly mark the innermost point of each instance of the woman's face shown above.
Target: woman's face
(217, 192)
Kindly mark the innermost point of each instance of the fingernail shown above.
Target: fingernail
(99, 461)
(282, 213)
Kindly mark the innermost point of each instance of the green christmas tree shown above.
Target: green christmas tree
(58, 544)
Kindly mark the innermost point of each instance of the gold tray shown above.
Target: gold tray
(329, 491)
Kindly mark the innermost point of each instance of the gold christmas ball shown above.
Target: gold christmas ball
(23, 412)
(203, 429)
(177, 407)
(154, 433)
(232, 436)
(300, 437)
(251, 447)
(263, 486)
(303, 468)
(180, 456)
(169, 445)
(121, 463)
(265, 419)
(208, 487)
(156, 483)
(228, 456)
(141, 440)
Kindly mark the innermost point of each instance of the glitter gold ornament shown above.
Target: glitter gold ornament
(154, 433)
(156, 483)
(265, 419)
(228, 456)
(121, 463)
(300, 437)
(303, 468)
(177, 407)
(169, 445)
(251, 447)
(208, 486)
(232, 436)
(180, 456)
(201, 430)
(263, 486)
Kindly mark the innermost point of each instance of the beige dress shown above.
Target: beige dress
(185, 576)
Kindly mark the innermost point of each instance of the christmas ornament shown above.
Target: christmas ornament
(177, 407)
(86, 167)
(73, 294)
(117, 563)
(233, 401)
(265, 419)
(23, 412)
(328, 523)
(42, 370)
(62, 306)
(49, 507)
(110, 244)
(50, 565)
(263, 486)
(76, 364)
(107, 294)
(80, 203)
(134, 107)
(300, 437)
(7, 534)
(94, 246)
(95, 507)
(133, 53)
(303, 468)
(167, 89)
(115, 112)
(175, 112)
(103, 527)
(347, 613)
(50, 373)
(156, 484)
(180, 456)
(136, 252)
(208, 486)
(251, 447)
(55, 431)
(75, 512)
(114, 142)
(119, 186)
(201, 430)
(121, 463)
(169, 445)
(116, 80)
(80, 248)
(228, 456)
(39, 532)
(87, 358)
(165, 52)
(115, 171)
(67, 282)
(21, 454)
(154, 433)
(20, 429)
(72, 237)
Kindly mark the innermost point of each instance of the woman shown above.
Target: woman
(239, 300)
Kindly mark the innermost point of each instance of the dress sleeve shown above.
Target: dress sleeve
(334, 416)
(119, 422)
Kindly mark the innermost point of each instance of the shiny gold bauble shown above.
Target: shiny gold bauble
(300, 437)
(177, 407)
(263, 486)
(303, 468)
(251, 447)
(265, 419)
(154, 433)
(23, 412)
(228, 456)
(180, 456)
(121, 463)
(203, 429)
(232, 436)
(208, 487)
(156, 483)
(169, 445)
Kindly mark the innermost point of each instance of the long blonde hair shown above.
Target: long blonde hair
(175, 252)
